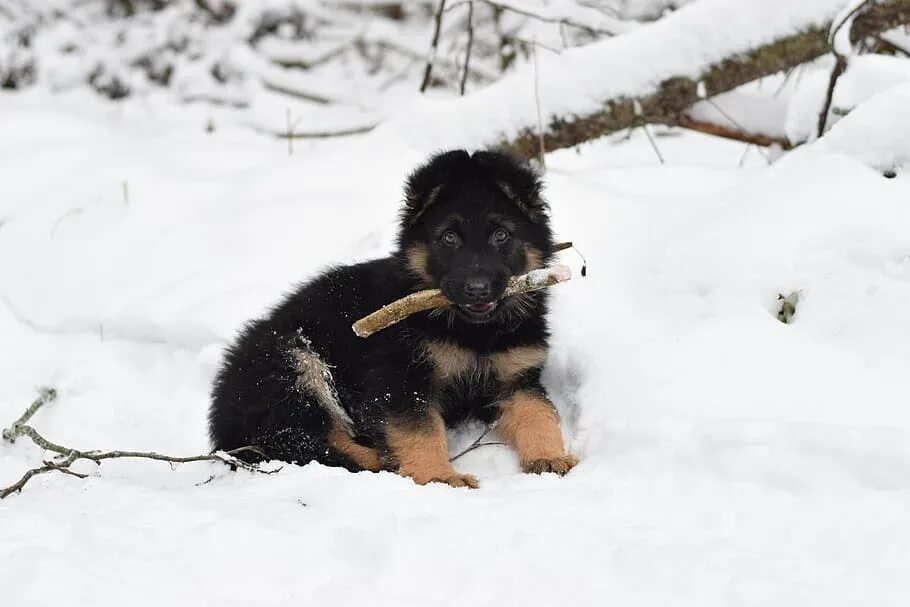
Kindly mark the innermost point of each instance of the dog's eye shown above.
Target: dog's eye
(450, 238)
(500, 236)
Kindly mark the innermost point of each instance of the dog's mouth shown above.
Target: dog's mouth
(479, 311)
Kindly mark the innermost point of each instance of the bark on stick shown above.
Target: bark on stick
(428, 299)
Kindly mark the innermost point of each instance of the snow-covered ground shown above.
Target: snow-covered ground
(727, 459)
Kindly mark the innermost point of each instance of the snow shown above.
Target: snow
(726, 458)
(865, 76)
(877, 132)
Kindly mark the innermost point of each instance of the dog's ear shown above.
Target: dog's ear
(518, 181)
(424, 184)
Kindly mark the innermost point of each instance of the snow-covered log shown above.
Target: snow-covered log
(650, 75)
(674, 94)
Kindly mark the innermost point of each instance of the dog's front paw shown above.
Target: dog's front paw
(560, 465)
(458, 480)
(449, 477)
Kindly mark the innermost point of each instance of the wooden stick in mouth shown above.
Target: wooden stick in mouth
(428, 299)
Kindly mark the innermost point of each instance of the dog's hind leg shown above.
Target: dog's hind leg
(361, 455)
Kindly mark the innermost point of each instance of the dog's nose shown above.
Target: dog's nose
(478, 289)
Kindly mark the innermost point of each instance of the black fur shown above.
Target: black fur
(256, 398)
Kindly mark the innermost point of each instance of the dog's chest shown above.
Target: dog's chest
(454, 366)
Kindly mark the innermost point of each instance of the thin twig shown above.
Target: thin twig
(541, 151)
(477, 444)
(736, 123)
(47, 467)
(290, 131)
(745, 154)
(787, 76)
(434, 47)
(467, 56)
(840, 66)
(45, 395)
(562, 21)
(893, 47)
(18, 485)
(653, 143)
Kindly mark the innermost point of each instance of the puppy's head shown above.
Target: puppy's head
(470, 221)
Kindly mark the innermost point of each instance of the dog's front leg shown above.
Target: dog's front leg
(529, 423)
(421, 449)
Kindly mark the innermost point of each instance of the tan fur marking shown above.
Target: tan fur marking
(530, 424)
(363, 456)
(509, 364)
(422, 453)
(451, 360)
(417, 262)
(533, 258)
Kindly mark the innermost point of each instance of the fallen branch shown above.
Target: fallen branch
(46, 395)
(674, 95)
(428, 299)
(719, 130)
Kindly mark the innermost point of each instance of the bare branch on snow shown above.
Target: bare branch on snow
(69, 455)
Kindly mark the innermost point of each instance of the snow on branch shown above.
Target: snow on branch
(649, 75)
(68, 456)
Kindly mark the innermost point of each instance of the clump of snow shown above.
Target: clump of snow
(865, 76)
(877, 132)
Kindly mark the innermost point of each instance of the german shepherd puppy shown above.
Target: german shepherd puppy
(300, 386)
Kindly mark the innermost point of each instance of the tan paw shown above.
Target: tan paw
(449, 477)
(560, 465)
(459, 480)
